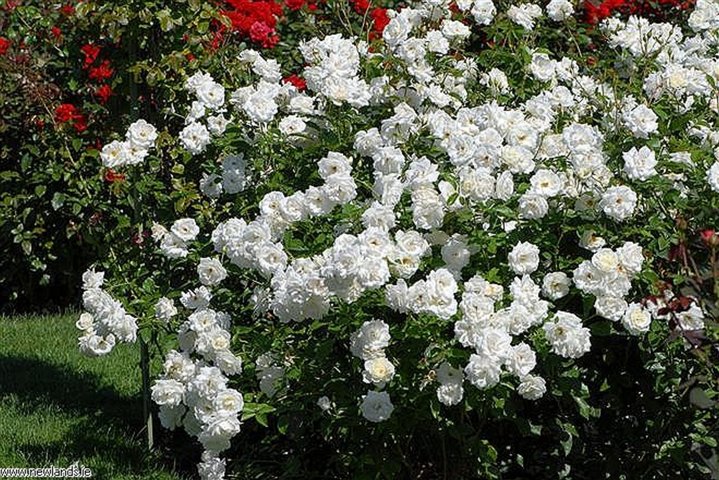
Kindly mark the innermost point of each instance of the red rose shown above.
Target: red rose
(101, 72)
(91, 53)
(4, 45)
(360, 6)
(80, 123)
(66, 112)
(261, 33)
(294, 5)
(103, 93)
(112, 176)
(710, 238)
(56, 32)
(67, 10)
(297, 81)
(11, 4)
(380, 20)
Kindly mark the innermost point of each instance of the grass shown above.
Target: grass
(58, 407)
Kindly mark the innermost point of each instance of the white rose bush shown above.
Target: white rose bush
(461, 230)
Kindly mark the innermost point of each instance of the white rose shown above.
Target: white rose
(185, 229)
(165, 309)
(524, 258)
(376, 406)
(378, 371)
(636, 319)
(556, 285)
(532, 387)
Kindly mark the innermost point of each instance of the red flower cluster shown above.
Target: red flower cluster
(295, 5)
(10, 5)
(68, 10)
(102, 72)
(56, 33)
(378, 15)
(69, 113)
(255, 20)
(98, 72)
(4, 46)
(294, 79)
(657, 9)
(379, 21)
(91, 53)
(111, 176)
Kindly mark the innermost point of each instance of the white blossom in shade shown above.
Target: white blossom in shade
(211, 185)
(165, 309)
(234, 177)
(556, 285)
(641, 121)
(217, 124)
(171, 417)
(270, 375)
(324, 403)
(456, 253)
(197, 298)
(94, 345)
(211, 271)
(611, 308)
(636, 319)
(185, 229)
(532, 387)
(86, 323)
(92, 279)
(619, 202)
(211, 467)
(524, 14)
(692, 318)
(591, 241)
(173, 246)
(631, 257)
(567, 336)
(195, 138)
(483, 371)
(640, 164)
(450, 391)
(483, 11)
(524, 258)
(713, 176)
(522, 360)
(378, 371)
(376, 406)
(168, 392)
(142, 135)
(228, 362)
(216, 434)
(559, 10)
(370, 340)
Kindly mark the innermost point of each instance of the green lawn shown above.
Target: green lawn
(58, 407)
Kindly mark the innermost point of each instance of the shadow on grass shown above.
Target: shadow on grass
(103, 427)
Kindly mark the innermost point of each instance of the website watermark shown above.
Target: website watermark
(75, 470)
